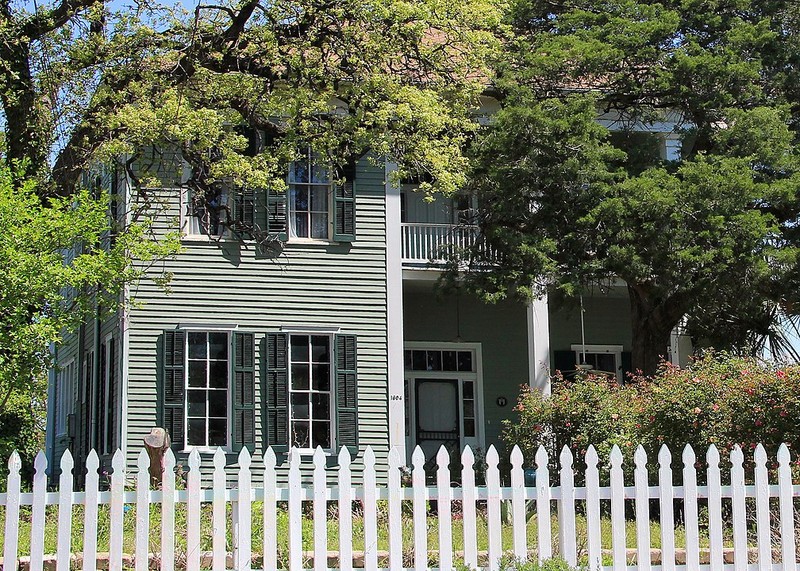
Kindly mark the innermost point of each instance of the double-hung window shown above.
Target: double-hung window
(310, 411)
(64, 397)
(309, 198)
(207, 388)
(204, 218)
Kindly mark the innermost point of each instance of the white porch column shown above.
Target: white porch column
(394, 315)
(539, 345)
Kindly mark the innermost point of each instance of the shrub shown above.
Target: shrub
(719, 399)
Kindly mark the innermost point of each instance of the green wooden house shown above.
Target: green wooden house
(334, 335)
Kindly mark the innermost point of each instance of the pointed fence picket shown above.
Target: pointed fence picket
(480, 507)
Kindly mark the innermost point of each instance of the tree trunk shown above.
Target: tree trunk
(652, 320)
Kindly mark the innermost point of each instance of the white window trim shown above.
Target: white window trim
(218, 328)
(290, 232)
(475, 376)
(64, 401)
(331, 334)
(186, 223)
(615, 350)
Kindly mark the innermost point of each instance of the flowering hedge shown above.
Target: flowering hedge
(718, 399)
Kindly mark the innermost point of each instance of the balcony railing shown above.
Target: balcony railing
(433, 243)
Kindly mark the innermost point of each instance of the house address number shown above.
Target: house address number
(396, 397)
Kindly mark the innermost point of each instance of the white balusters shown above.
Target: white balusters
(345, 511)
(667, 518)
(270, 512)
(593, 544)
(493, 522)
(295, 512)
(714, 507)
(142, 511)
(690, 509)
(395, 510)
(420, 509)
(545, 547)
(90, 512)
(168, 512)
(738, 494)
(788, 549)
(518, 505)
(117, 511)
(617, 511)
(38, 512)
(218, 502)
(444, 509)
(762, 511)
(193, 513)
(566, 509)
(468, 508)
(370, 512)
(11, 537)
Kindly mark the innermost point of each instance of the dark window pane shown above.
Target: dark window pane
(468, 390)
(605, 362)
(419, 360)
(449, 361)
(319, 226)
(197, 345)
(300, 405)
(218, 375)
(299, 377)
(320, 348)
(469, 408)
(299, 348)
(465, 360)
(322, 435)
(196, 401)
(301, 225)
(407, 359)
(299, 434)
(300, 198)
(218, 345)
(321, 375)
(217, 404)
(197, 373)
(217, 432)
(434, 362)
(299, 172)
(320, 406)
(196, 435)
(319, 199)
(319, 173)
(469, 427)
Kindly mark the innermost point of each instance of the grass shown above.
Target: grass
(103, 533)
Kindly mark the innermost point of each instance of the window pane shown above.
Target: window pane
(321, 377)
(299, 434)
(196, 401)
(299, 378)
(322, 434)
(218, 346)
(419, 360)
(465, 361)
(217, 429)
(319, 198)
(218, 404)
(469, 408)
(606, 362)
(434, 361)
(197, 373)
(319, 348)
(299, 171)
(321, 407)
(469, 427)
(196, 434)
(300, 225)
(299, 348)
(407, 359)
(468, 392)
(218, 375)
(319, 225)
(300, 405)
(319, 172)
(449, 361)
(299, 195)
(197, 345)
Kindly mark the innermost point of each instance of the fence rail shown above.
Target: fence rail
(502, 512)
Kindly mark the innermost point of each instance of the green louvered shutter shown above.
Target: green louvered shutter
(244, 393)
(345, 375)
(344, 207)
(172, 386)
(277, 392)
(244, 210)
(277, 219)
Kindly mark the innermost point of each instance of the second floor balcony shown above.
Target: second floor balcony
(426, 244)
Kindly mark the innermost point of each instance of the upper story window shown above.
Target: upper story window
(64, 397)
(309, 198)
(205, 218)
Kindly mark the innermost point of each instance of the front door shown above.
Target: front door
(437, 418)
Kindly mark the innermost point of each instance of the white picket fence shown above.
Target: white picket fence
(770, 549)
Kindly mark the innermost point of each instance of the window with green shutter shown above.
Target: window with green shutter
(311, 391)
(172, 391)
(244, 397)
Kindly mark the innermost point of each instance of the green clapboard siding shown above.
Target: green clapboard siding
(308, 285)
